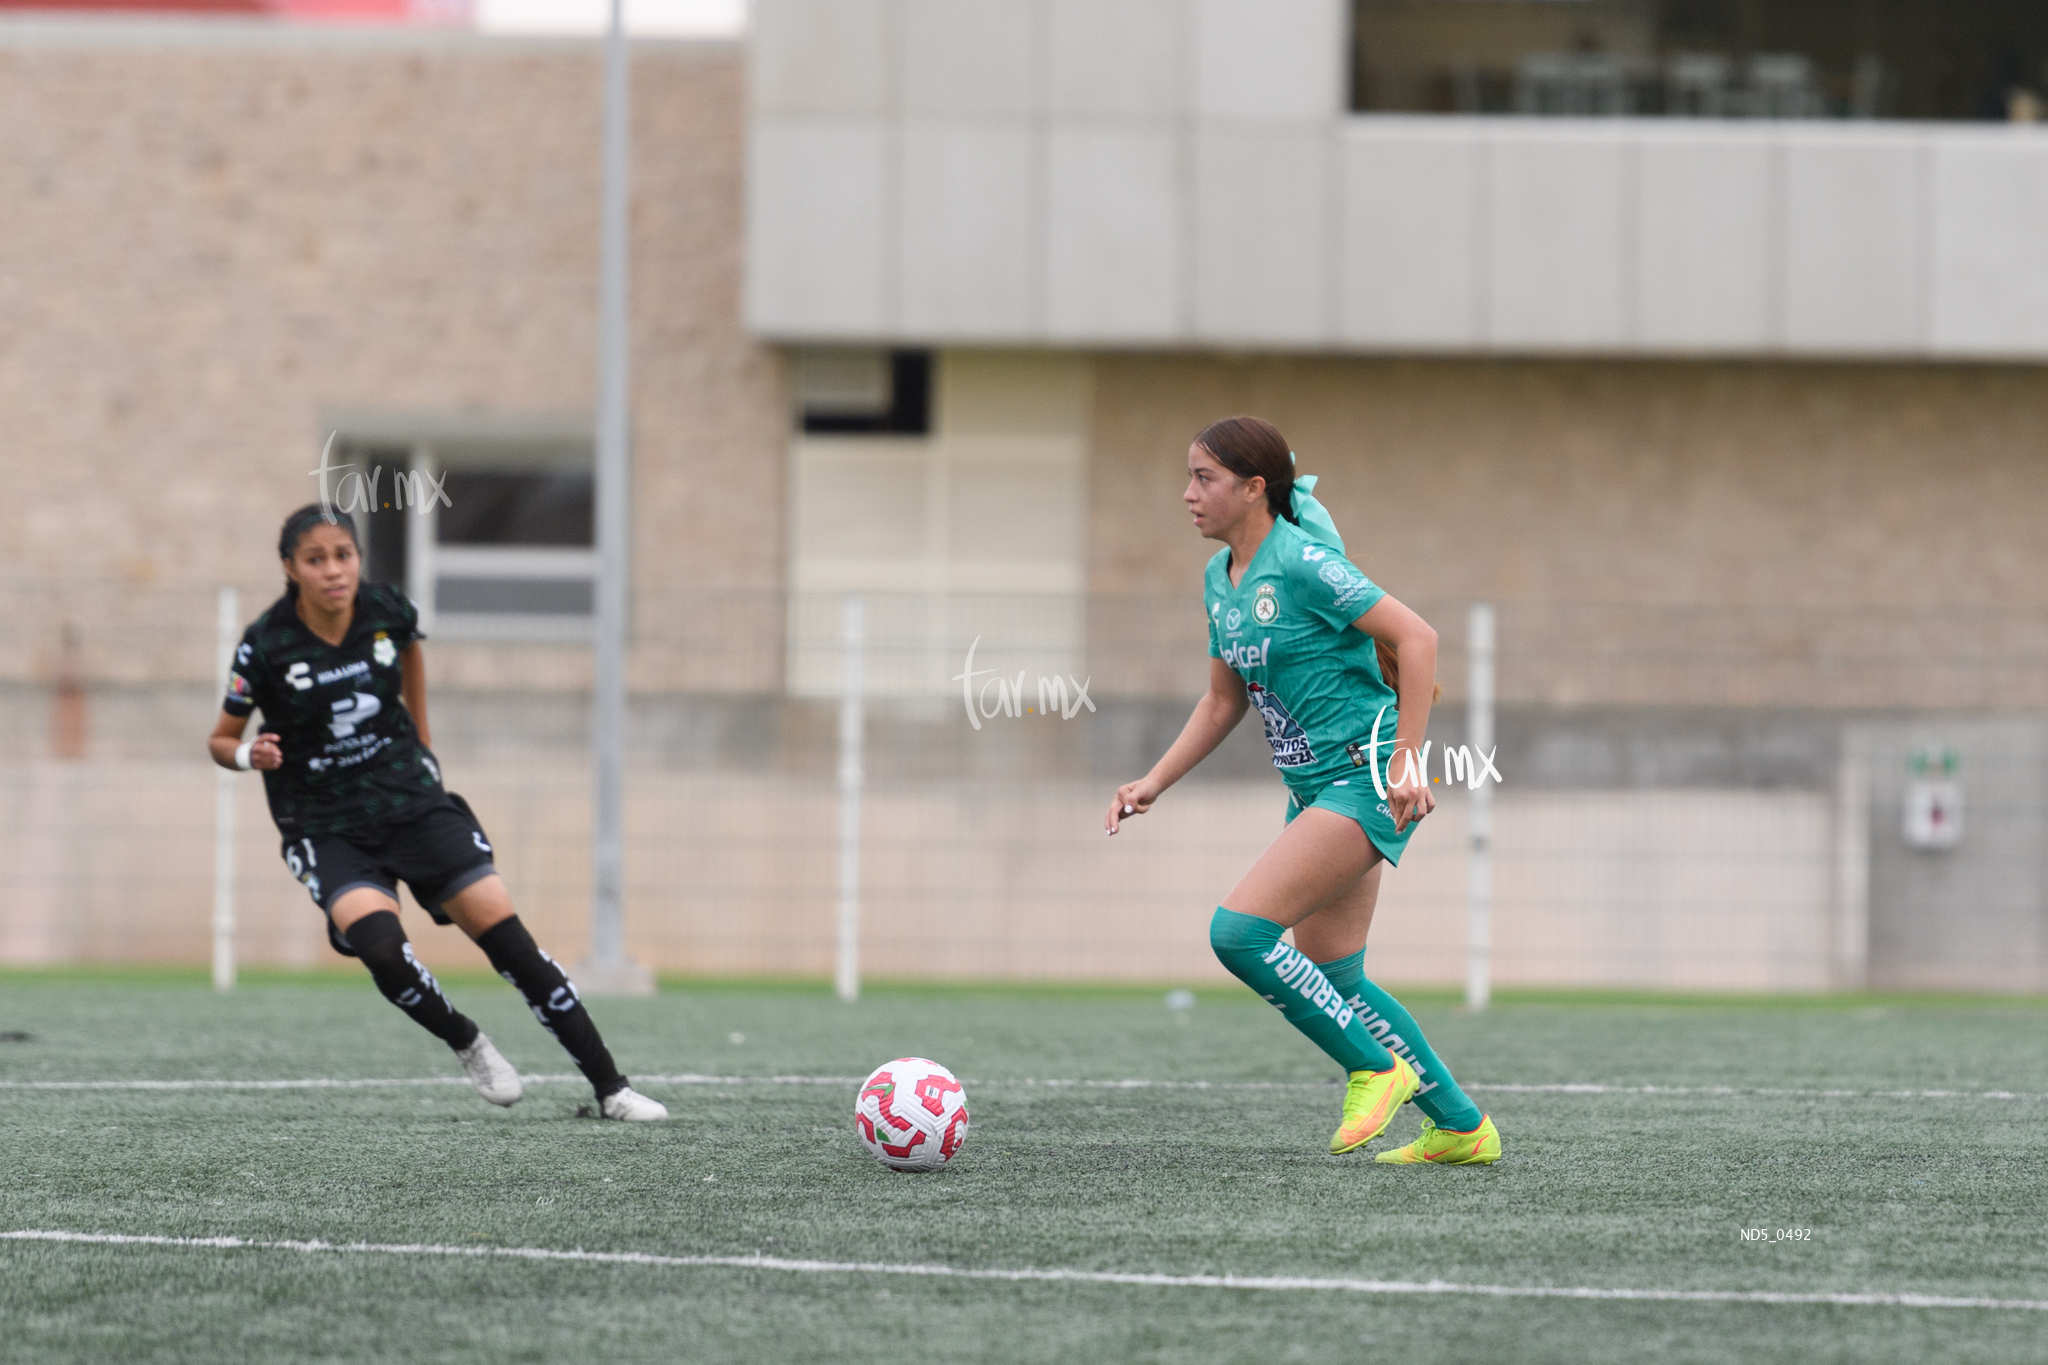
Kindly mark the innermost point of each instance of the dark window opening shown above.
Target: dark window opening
(384, 468)
(494, 507)
(1905, 59)
(900, 404)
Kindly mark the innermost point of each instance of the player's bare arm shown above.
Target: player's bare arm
(226, 739)
(1413, 643)
(1215, 716)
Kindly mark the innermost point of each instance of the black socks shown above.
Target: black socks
(379, 940)
(552, 998)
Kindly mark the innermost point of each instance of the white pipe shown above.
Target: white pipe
(1852, 869)
(1479, 817)
(227, 618)
(852, 641)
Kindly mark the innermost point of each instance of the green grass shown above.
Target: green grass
(1938, 1196)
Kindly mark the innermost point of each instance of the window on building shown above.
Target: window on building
(1909, 59)
(864, 392)
(490, 532)
(969, 529)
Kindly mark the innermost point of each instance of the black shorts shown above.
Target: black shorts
(436, 849)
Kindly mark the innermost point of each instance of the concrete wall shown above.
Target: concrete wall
(214, 235)
(1181, 172)
(734, 874)
(1975, 915)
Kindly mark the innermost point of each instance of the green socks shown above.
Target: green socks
(1342, 1012)
(1251, 948)
(1389, 1021)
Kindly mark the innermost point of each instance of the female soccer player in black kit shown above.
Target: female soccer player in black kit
(336, 667)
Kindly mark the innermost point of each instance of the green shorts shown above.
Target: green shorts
(1354, 798)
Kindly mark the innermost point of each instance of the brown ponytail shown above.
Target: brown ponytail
(1390, 669)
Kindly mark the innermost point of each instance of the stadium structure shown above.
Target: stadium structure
(1712, 361)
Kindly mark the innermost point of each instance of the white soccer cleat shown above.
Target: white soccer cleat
(489, 1072)
(630, 1106)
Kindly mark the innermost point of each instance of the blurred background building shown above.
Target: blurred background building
(1703, 340)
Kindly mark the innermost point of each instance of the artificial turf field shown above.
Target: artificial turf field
(1625, 1187)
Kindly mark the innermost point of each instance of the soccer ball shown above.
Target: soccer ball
(911, 1115)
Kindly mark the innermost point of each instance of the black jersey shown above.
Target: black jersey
(351, 753)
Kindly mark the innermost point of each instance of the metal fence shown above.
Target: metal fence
(1692, 797)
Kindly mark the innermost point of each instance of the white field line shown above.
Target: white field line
(697, 1078)
(1149, 1280)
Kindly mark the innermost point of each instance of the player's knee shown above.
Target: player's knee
(379, 940)
(1236, 937)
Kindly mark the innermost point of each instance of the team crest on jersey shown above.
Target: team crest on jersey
(1266, 606)
(384, 652)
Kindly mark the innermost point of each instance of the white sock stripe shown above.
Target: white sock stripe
(1135, 1278)
(703, 1078)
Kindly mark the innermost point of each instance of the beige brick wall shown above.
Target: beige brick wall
(1831, 486)
(207, 243)
(1656, 532)
(211, 234)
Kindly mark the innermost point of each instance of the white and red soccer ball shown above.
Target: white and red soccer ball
(911, 1114)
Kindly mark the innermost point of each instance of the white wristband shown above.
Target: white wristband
(242, 754)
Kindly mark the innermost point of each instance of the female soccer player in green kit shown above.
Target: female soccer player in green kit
(1298, 632)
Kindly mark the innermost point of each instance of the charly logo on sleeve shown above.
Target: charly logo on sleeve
(1266, 606)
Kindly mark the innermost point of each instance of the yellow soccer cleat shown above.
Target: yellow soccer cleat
(1370, 1103)
(1442, 1147)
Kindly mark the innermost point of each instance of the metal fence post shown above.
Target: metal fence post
(852, 639)
(1852, 867)
(227, 618)
(1479, 867)
(609, 970)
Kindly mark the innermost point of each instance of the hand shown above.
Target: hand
(1132, 798)
(265, 753)
(1409, 798)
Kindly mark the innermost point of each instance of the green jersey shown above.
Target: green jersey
(1286, 629)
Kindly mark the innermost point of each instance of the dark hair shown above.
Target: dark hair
(1252, 446)
(305, 519)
